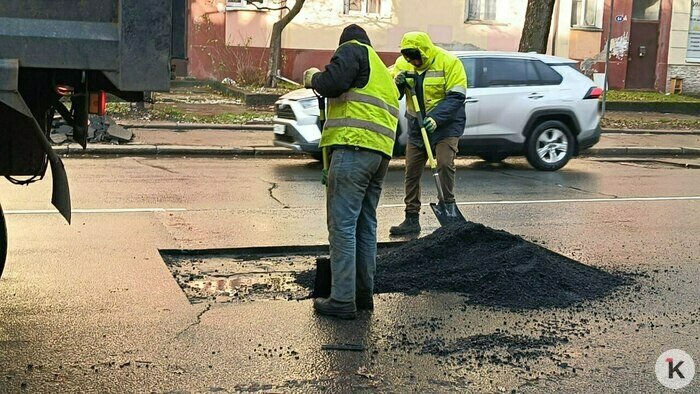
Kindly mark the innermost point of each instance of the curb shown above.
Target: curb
(173, 150)
(271, 151)
(196, 126)
(640, 151)
(643, 131)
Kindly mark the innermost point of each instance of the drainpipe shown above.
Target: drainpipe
(556, 28)
(607, 58)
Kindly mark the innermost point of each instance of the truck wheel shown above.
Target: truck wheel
(549, 146)
(3, 241)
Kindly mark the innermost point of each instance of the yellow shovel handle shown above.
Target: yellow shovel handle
(424, 134)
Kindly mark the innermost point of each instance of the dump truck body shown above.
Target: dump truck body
(55, 51)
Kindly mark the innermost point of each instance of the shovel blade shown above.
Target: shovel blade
(323, 281)
(447, 215)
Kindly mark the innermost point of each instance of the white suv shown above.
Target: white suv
(517, 104)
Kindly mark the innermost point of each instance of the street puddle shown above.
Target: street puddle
(230, 278)
(246, 286)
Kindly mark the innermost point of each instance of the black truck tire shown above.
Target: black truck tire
(3, 241)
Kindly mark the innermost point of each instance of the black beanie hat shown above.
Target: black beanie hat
(354, 32)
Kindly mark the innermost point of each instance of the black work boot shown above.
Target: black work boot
(331, 307)
(364, 302)
(409, 226)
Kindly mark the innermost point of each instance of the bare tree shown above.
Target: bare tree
(538, 21)
(275, 60)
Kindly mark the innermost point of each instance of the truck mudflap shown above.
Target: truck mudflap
(10, 97)
(3, 241)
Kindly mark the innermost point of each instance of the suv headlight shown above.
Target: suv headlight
(309, 103)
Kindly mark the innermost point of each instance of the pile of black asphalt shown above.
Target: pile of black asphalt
(488, 267)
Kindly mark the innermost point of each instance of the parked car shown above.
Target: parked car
(518, 104)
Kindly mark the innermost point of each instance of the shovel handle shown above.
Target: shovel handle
(410, 92)
(322, 121)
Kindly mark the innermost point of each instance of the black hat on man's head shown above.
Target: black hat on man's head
(354, 32)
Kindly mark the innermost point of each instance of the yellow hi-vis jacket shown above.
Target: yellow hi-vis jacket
(365, 117)
(444, 73)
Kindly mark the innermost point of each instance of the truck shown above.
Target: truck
(65, 57)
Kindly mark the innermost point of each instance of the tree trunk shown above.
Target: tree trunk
(275, 60)
(538, 22)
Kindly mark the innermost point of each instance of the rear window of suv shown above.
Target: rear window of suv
(495, 72)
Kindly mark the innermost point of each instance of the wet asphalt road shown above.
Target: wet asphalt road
(93, 307)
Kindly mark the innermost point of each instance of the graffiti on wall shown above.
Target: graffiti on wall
(619, 46)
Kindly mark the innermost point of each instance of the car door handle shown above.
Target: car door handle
(470, 100)
(535, 96)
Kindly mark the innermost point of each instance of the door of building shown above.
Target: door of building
(644, 44)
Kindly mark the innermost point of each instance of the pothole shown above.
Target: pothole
(246, 274)
(235, 278)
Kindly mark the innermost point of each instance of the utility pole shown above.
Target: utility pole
(607, 57)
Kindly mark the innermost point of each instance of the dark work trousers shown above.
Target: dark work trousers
(445, 152)
(355, 180)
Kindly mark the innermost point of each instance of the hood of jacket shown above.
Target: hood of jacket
(422, 42)
(354, 32)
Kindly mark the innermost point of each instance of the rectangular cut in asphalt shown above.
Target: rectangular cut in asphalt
(489, 267)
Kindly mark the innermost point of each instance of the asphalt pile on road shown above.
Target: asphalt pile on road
(489, 267)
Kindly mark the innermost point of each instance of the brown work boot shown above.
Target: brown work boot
(331, 307)
(411, 225)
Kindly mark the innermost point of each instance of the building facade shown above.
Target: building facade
(652, 41)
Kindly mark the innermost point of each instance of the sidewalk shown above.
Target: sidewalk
(186, 139)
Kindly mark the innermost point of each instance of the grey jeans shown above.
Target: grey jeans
(354, 185)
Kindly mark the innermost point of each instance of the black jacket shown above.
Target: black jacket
(349, 66)
(450, 114)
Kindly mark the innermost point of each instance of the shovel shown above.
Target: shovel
(445, 214)
(322, 283)
(320, 122)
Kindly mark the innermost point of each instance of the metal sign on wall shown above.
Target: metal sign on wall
(693, 53)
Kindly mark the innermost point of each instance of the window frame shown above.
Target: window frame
(242, 5)
(580, 23)
(483, 8)
(644, 18)
(364, 6)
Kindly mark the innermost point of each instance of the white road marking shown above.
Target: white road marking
(114, 210)
(499, 202)
(573, 200)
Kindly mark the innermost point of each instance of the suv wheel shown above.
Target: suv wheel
(3, 241)
(549, 146)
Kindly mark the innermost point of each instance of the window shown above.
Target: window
(503, 72)
(362, 6)
(546, 75)
(234, 5)
(481, 10)
(587, 13)
(497, 72)
(646, 9)
(469, 68)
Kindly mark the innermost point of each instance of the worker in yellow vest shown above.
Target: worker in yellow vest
(441, 86)
(359, 131)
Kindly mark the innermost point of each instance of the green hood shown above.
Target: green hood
(420, 41)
